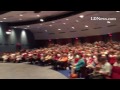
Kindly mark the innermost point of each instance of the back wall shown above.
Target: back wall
(18, 36)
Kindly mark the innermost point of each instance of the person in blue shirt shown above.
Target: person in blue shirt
(81, 63)
(77, 67)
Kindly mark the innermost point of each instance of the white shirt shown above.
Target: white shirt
(106, 68)
(5, 57)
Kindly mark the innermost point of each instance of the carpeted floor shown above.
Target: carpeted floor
(65, 73)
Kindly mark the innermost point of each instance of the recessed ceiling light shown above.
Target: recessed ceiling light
(15, 27)
(1, 21)
(45, 30)
(50, 25)
(28, 26)
(73, 27)
(86, 25)
(108, 22)
(117, 11)
(53, 22)
(21, 15)
(77, 21)
(41, 24)
(64, 23)
(38, 15)
(67, 19)
(41, 20)
(81, 16)
(59, 29)
(9, 30)
(20, 19)
(4, 18)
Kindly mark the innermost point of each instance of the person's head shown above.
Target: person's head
(102, 59)
(118, 58)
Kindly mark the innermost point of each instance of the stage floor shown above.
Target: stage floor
(28, 71)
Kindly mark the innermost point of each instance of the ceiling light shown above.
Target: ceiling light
(41, 20)
(81, 16)
(28, 26)
(59, 29)
(108, 22)
(25, 28)
(86, 25)
(50, 25)
(67, 19)
(45, 30)
(117, 11)
(73, 27)
(77, 21)
(8, 32)
(41, 24)
(1, 21)
(4, 18)
(38, 15)
(64, 23)
(20, 19)
(53, 22)
(21, 15)
(15, 27)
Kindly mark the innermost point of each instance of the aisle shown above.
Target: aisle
(27, 71)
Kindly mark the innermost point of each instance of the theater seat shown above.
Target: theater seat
(115, 72)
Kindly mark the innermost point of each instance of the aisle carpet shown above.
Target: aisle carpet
(65, 72)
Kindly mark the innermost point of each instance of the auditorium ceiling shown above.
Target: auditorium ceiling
(63, 24)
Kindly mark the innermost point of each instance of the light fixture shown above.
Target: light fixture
(15, 27)
(59, 29)
(81, 16)
(53, 22)
(77, 21)
(1, 21)
(21, 15)
(8, 32)
(108, 22)
(50, 25)
(117, 11)
(20, 19)
(4, 18)
(73, 27)
(41, 20)
(67, 19)
(64, 23)
(86, 25)
(41, 24)
(45, 30)
(25, 28)
(28, 26)
(38, 15)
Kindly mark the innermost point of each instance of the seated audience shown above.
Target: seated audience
(104, 69)
(117, 63)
